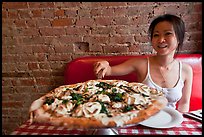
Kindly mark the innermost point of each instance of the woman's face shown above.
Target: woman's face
(164, 39)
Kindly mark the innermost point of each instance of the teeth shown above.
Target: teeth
(162, 46)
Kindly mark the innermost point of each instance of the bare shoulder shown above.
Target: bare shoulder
(187, 70)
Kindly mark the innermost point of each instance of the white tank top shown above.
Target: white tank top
(172, 94)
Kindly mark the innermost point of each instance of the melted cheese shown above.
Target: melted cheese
(61, 110)
(92, 88)
(117, 105)
(66, 97)
(119, 83)
(55, 103)
(136, 99)
(103, 98)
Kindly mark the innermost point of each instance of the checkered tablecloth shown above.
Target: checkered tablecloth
(188, 127)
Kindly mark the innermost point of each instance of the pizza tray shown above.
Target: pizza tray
(105, 131)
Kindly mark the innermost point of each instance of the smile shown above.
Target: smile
(162, 46)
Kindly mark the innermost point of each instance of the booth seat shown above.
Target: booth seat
(81, 70)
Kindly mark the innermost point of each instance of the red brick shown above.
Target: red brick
(111, 4)
(41, 73)
(70, 39)
(59, 12)
(27, 82)
(48, 13)
(84, 12)
(142, 39)
(33, 66)
(40, 49)
(20, 23)
(4, 14)
(52, 31)
(12, 104)
(57, 66)
(69, 4)
(28, 32)
(27, 58)
(41, 57)
(105, 21)
(134, 48)
(97, 39)
(6, 82)
(70, 12)
(37, 13)
(10, 58)
(22, 67)
(44, 65)
(8, 67)
(96, 12)
(41, 4)
(121, 39)
(77, 30)
(103, 30)
(43, 23)
(25, 89)
(10, 41)
(122, 20)
(115, 49)
(24, 14)
(95, 48)
(14, 5)
(31, 40)
(120, 11)
(64, 49)
(61, 22)
(58, 57)
(108, 12)
(44, 81)
(13, 14)
(85, 22)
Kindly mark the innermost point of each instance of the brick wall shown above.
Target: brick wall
(38, 39)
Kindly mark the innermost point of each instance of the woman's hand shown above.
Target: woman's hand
(101, 68)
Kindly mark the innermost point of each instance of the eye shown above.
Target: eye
(168, 33)
(155, 35)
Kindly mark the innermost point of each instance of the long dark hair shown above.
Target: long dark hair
(178, 25)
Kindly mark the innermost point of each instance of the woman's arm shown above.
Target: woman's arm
(184, 103)
(102, 68)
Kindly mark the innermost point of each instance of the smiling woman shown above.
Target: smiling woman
(161, 71)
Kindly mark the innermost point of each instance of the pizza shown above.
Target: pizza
(97, 104)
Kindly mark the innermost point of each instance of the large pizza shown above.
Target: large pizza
(97, 104)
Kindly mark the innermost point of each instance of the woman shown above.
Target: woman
(161, 71)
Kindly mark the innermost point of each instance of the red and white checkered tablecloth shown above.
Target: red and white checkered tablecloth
(188, 127)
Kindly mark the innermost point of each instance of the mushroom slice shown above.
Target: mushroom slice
(91, 108)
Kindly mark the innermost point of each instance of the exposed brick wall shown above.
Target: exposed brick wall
(38, 39)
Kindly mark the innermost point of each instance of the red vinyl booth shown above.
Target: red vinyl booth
(81, 70)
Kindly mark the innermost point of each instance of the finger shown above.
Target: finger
(97, 64)
(96, 67)
(100, 74)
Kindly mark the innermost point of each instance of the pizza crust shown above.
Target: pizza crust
(89, 115)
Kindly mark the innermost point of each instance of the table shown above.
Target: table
(188, 127)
